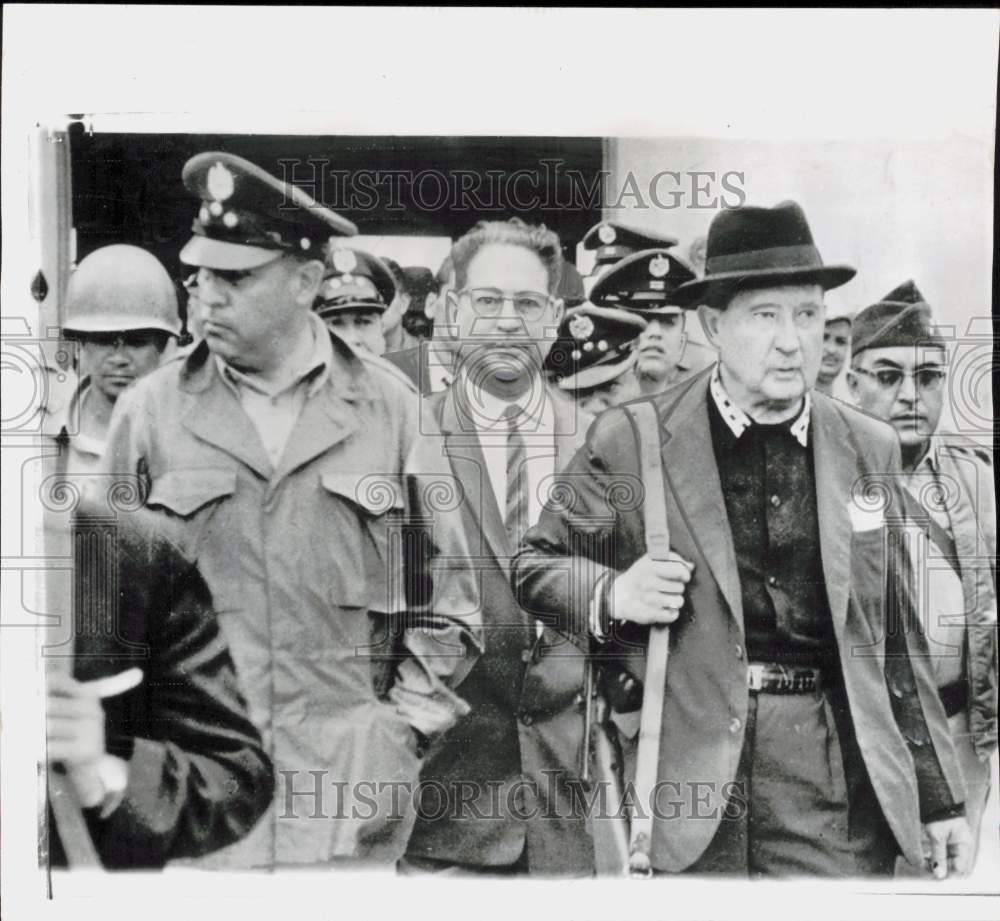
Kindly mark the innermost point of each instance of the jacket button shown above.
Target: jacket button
(739, 651)
(735, 725)
(775, 501)
(772, 581)
(527, 719)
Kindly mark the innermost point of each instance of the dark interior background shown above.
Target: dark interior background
(127, 187)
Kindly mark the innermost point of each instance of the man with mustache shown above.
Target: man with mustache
(899, 373)
(836, 345)
(801, 732)
(292, 468)
(122, 308)
(499, 785)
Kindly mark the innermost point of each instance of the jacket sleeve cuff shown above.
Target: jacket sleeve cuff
(940, 815)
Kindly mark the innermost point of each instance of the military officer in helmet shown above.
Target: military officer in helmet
(122, 309)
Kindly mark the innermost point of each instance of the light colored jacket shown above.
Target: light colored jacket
(344, 639)
(965, 470)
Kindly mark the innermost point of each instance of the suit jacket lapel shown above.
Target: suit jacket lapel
(835, 463)
(469, 464)
(695, 491)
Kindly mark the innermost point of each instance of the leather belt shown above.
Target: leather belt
(954, 696)
(768, 678)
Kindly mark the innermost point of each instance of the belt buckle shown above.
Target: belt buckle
(755, 676)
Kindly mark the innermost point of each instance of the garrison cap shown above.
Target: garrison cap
(616, 241)
(249, 218)
(902, 317)
(644, 282)
(354, 280)
(594, 346)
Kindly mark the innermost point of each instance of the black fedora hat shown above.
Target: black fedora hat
(751, 247)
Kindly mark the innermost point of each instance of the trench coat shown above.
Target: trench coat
(898, 720)
(339, 580)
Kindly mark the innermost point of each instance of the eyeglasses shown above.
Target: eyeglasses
(488, 302)
(928, 379)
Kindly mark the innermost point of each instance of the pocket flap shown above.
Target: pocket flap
(183, 492)
(376, 493)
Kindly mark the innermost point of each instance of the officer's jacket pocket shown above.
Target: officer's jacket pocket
(184, 492)
(371, 574)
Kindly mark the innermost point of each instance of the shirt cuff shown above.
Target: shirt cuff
(600, 607)
(101, 784)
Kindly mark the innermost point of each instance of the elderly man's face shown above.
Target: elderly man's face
(661, 345)
(836, 341)
(904, 385)
(770, 341)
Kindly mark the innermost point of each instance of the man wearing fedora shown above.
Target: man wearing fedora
(899, 373)
(801, 731)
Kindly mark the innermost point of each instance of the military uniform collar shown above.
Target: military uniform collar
(344, 370)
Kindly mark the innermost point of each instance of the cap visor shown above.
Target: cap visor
(661, 311)
(596, 375)
(219, 254)
(329, 310)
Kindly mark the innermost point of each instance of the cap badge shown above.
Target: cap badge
(659, 266)
(581, 327)
(606, 234)
(220, 182)
(344, 260)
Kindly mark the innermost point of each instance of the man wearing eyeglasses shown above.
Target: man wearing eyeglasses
(498, 787)
(899, 373)
(122, 308)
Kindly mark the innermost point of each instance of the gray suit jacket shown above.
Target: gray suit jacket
(525, 694)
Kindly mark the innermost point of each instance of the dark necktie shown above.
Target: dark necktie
(516, 509)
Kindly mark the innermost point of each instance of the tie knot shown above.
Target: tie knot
(511, 415)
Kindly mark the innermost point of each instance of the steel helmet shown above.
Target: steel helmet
(118, 288)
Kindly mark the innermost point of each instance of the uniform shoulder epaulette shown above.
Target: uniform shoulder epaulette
(962, 444)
